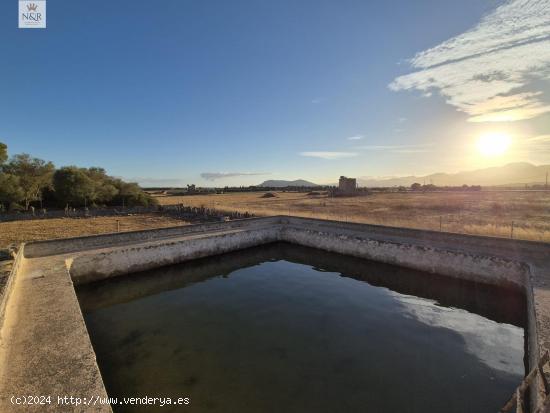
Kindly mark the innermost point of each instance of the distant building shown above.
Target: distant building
(347, 186)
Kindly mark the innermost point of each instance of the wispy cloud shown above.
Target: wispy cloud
(149, 181)
(420, 148)
(329, 155)
(355, 138)
(539, 139)
(318, 100)
(534, 147)
(411, 150)
(489, 71)
(212, 176)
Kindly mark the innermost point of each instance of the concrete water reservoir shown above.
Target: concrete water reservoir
(284, 327)
(53, 354)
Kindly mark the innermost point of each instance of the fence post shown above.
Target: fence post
(440, 223)
(512, 230)
(117, 225)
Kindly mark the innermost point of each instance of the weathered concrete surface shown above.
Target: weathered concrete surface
(64, 246)
(454, 263)
(7, 288)
(106, 263)
(45, 347)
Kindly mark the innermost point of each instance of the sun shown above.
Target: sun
(494, 143)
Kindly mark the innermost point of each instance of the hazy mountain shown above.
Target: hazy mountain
(513, 173)
(281, 184)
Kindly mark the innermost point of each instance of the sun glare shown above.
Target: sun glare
(493, 144)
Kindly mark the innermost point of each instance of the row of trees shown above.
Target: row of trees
(26, 181)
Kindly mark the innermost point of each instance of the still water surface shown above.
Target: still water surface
(282, 328)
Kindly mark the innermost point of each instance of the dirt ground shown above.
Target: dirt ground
(15, 232)
(483, 213)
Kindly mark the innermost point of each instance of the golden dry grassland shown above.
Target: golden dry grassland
(15, 232)
(483, 213)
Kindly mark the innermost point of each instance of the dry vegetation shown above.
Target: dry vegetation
(15, 232)
(484, 213)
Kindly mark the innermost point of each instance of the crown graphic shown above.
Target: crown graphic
(32, 7)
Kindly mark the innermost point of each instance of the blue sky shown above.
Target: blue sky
(226, 93)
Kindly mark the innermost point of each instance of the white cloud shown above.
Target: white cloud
(329, 155)
(355, 138)
(155, 182)
(379, 147)
(486, 71)
(318, 100)
(212, 176)
(411, 150)
(420, 148)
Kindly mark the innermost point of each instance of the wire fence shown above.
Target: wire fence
(455, 223)
(176, 211)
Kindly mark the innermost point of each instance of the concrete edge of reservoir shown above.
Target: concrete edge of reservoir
(44, 345)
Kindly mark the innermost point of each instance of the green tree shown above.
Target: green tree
(73, 186)
(105, 189)
(11, 192)
(3, 153)
(130, 194)
(34, 176)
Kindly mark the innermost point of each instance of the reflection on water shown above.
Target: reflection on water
(287, 328)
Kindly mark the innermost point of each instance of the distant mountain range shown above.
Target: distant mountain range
(519, 173)
(281, 184)
(513, 174)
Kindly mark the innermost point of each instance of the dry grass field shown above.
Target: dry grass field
(40, 229)
(483, 213)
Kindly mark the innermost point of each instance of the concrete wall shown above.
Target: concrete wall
(123, 260)
(522, 265)
(482, 259)
(69, 245)
(4, 297)
(504, 247)
(473, 267)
